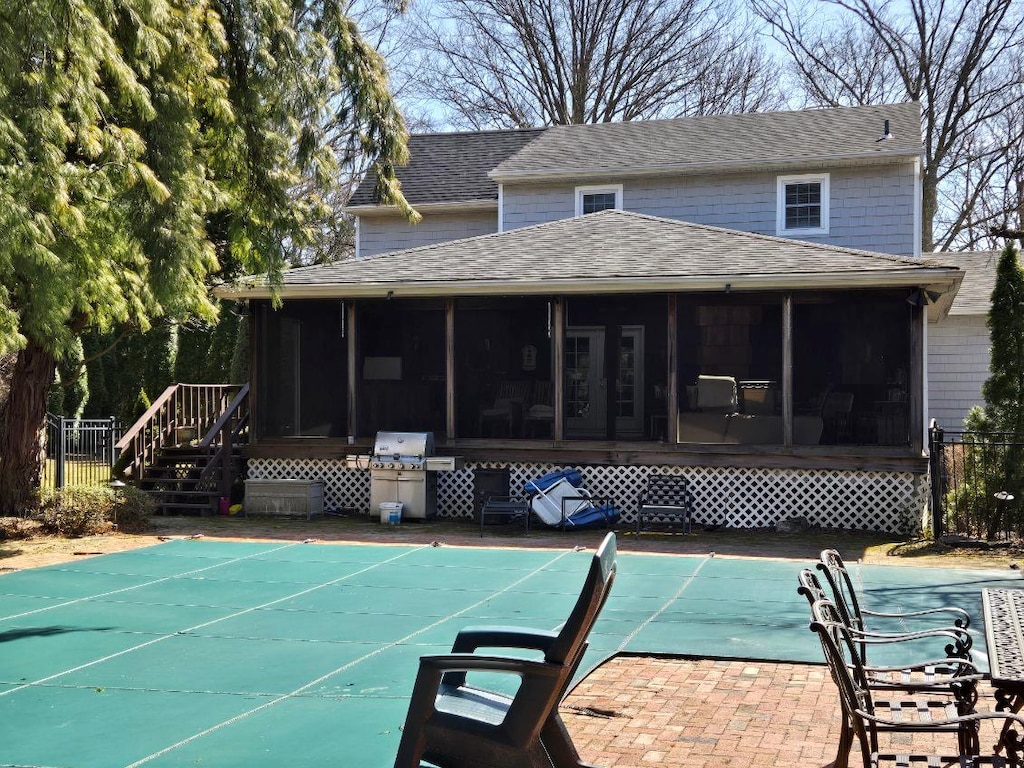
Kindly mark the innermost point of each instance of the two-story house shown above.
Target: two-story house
(741, 299)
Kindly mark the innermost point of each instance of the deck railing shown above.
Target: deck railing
(185, 414)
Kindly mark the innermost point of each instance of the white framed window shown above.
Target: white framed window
(594, 199)
(802, 207)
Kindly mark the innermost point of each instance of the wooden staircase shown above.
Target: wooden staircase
(187, 449)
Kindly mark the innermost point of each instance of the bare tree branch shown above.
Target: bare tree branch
(957, 59)
(519, 63)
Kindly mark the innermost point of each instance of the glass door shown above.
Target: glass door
(586, 391)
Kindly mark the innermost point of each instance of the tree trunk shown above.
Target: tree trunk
(23, 430)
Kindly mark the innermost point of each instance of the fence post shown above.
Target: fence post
(112, 438)
(61, 455)
(935, 454)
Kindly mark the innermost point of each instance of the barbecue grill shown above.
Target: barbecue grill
(403, 468)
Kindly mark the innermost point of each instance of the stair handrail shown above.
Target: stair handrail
(225, 431)
(192, 406)
(226, 416)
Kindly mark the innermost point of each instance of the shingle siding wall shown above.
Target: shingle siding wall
(871, 208)
(378, 234)
(958, 360)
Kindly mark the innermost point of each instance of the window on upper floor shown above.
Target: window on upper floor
(594, 199)
(803, 203)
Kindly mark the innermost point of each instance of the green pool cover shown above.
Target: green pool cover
(196, 653)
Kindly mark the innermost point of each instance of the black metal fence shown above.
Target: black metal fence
(79, 451)
(976, 483)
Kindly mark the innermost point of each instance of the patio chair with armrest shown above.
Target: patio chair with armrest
(953, 638)
(845, 598)
(456, 724)
(949, 679)
(507, 409)
(865, 715)
(667, 500)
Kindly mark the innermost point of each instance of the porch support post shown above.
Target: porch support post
(787, 370)
(255, 365)
(449, 368)
(916, 395)
(672, 401)
(351, 336)
(558, 371)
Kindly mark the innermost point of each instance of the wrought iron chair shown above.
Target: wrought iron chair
(927, 674)
(865, 716)
(456, 724)
(845, 598)
(943, 684)
(668, 500)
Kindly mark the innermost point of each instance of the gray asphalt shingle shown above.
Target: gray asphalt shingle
(718, 141)
(450, 167)
(975, 294)
(611, 247)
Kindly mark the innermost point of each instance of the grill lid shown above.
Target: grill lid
(396, 445)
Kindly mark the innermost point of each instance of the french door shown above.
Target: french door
(587, 381)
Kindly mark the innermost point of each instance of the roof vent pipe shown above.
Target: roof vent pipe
(885, 132)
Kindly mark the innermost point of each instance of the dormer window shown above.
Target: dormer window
(802, 205)
(594, 199)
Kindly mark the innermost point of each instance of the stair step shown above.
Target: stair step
(179, 508)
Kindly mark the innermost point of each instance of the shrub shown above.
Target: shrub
(132, 509)
(77, 510)
(15, 528)
(83, 510)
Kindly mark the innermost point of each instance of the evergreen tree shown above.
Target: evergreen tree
(1003, 392)
(146, 145)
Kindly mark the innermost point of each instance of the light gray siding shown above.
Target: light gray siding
(380, 234)
(958, 360)
(871, 208)
(528, 204)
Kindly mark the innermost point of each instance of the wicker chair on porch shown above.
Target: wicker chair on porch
(539, 417)
(507, 410)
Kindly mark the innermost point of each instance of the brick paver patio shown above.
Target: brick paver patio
(675, 713)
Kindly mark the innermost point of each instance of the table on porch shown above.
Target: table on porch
(1003, 612)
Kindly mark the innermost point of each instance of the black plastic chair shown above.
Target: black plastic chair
(865, 716)
(455, 724)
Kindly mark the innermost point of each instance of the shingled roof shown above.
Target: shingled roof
(975, 294)
(719, 142)
(611, 251)
(450, 167)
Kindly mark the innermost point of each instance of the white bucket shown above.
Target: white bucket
(391, 512)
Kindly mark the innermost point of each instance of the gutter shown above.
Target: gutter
(940, 280)
(454, 206)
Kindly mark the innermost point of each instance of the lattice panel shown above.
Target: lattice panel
(732, 497)
(344, 488)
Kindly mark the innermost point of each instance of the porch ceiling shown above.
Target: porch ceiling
(607, 252)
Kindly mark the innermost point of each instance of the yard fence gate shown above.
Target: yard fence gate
(79, 451)
(977, 483)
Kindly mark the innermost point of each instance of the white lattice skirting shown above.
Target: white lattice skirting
(726, 496)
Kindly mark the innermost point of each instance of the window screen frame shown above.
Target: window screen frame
(783, 182)
(603, 189)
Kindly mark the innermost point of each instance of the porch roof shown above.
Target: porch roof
(607, 252)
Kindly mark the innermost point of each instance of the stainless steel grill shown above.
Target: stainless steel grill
(403, 468)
